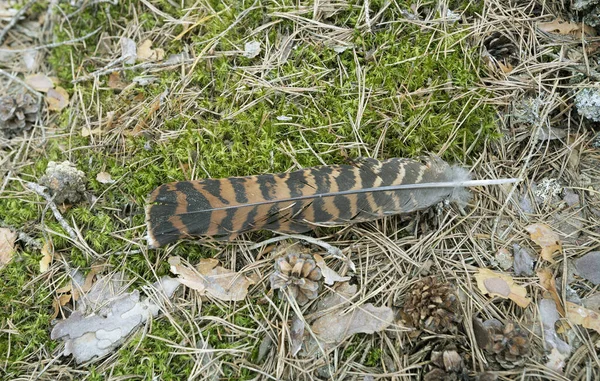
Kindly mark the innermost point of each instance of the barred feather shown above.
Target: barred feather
(298, 201)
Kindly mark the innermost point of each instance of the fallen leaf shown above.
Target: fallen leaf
(57, 99)
(296, 334)
(47, 251)
(567, 28)
(583, 316)
(505, 67)
(548, 282)
(91, 335)
(85, 131)
(556, 360)
(523, 261)
(502, 285)
(337, 325)
(146, 53)
(251, 49)
(39, 82)
(330, 276)
(128, 50)
(588, 267)
(115, 81)
(544, 236)
(104, 178)
(216, 282)
(7, 246)
(58, 302)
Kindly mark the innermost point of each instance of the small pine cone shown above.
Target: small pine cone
(17, 114)
(433, 306)
(448, 365)
(507, 346)
(299, 274)
(501, 48)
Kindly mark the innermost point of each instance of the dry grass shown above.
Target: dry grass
(250, 339)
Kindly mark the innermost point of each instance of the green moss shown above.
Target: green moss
(25, 308)
(417, 91)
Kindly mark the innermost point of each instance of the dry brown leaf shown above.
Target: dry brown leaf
(567, 28)
(583, 316)
(556, 360)
(544, 236)
(330, 275)
(115, 81)
(104, 178)
(57, 99)
(502, 285)
(334, 327)
(548, 282)
(47, 251)
(216, 282)
(85, 131)
(39, 82)
(506, 68)
(146, 53)
(58, 302)
(7, 245)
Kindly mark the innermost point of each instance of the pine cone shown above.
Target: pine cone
(299, 274)
(448, 365)
(501, 48)
(17, 114)
(433, 306)
(507, 346)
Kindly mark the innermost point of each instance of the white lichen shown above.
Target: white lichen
(588, 103)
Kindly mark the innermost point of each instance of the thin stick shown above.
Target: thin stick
(41, 190)
(53, 45)
(331, 250)
(14, 20)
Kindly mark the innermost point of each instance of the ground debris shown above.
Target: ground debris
(210, 280)
(106, 317)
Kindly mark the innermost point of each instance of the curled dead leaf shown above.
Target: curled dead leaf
(47, 251)
(146, 53)
(502, 285)
(7, 245)
(330, 275)
(39, 82)
(545, 237)
(104, 178)
(548, 282)
(563, 27)
(57, 99)
(583, 316)
(209, 280)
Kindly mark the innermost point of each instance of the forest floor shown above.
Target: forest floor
(135, 94)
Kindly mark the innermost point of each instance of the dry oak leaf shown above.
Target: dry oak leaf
(146, 53)
(561, 26)
(47, 251)
(548, 282)
(57, 99)
(7, 245)
(544, 236)
(583, 316)
(334, 327)
(216, 282)
(330, 275)
(502, 285)
(39, 82)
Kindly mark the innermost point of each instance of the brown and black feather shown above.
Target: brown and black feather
(295, 202)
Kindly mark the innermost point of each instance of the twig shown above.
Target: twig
(331, 250)
(14, 20)
(41, 190)
(53, 45)
(24, 237)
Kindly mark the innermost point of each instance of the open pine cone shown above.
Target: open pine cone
(506, 346)
(17, 114)
(448, 365)
(433, 306)
(501, 48)
(299, 274)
